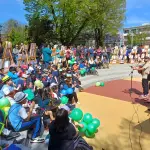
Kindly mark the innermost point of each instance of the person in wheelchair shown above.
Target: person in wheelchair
(20, 120)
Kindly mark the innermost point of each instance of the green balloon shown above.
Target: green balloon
(64, 100)
(84, 127)
(76, 114)
(4, 102)
(6, 109)
(87, 118)
(71, 63)
(88, 134)
(98, 83)
(91, 128)
(96, 122)
(93, 68)
(102, 84)
(82, 72)
(73, 60)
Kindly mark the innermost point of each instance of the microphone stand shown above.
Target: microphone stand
(131, 74)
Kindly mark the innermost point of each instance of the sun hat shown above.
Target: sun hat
(6, 78)
(20, 96)
(6, 90)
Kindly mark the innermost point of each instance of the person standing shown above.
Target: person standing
(109, 51)
(47, 58)
(15, 54)
(145, 70)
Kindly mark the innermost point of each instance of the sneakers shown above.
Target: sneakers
(37, 140)
(12, 135)
(144, 96)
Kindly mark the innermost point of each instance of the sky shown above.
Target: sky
(137, 12)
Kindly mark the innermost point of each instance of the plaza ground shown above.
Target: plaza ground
(122, 116)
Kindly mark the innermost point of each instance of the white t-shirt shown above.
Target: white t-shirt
(22, 113)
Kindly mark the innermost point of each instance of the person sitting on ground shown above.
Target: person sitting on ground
(20, 120)
(61, 131)
(7, 83)
(15, 77)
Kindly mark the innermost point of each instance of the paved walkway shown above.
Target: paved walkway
(113, 105)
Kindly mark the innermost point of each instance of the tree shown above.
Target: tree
(108, 18)
(70, 17)
(15, 32)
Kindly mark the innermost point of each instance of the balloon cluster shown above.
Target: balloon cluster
(71, 62)
(64, 92)
(100, 84)
(89, 124)
(4, 105)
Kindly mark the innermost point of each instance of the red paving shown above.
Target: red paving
(118, 89)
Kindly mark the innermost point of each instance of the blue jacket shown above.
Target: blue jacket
(47, 54)
(12, 75)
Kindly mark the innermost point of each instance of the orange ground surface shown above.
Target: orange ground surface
(121, 115)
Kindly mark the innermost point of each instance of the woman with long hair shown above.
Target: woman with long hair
(61, 131)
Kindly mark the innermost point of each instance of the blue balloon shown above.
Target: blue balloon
(69, 91)
(64, 92)
(65, 87)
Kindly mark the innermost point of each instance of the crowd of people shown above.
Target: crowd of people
(35, 89)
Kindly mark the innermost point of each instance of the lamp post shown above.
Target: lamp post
(0, 33)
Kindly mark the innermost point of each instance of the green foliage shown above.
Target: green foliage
(136, 39)
(67, 19)
(15, 32)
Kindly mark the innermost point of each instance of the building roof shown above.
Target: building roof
(139, 27)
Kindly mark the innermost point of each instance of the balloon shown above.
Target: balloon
(64, 100)
(6, 109)
(82, 72)
(89, 135)
(65, 87)
(76, 114)
(69, 61)
(96, 122)
(69, 91)
(37, 83)
(102, 84)
(93, 68)
(84, 127)
(87, 118)
(4, 102)
(64, 92)
(73, 60)
(91, 128)
(98, 83)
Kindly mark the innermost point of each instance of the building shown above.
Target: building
(114, 40)
(139, 30)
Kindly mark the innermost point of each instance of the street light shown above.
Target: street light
(0, 33)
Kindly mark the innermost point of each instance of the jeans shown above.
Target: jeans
(145, 86)
(34, 123)
(46, 64)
